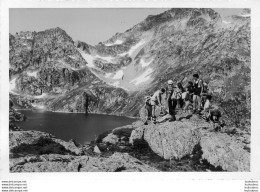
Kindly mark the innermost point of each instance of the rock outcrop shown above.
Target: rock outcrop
(175, 140)
(171, 140)
(118, 162)
(36, 142)
(219, 149)
(14, 116)
(34, 151)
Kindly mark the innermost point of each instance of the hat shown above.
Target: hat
(170, 82)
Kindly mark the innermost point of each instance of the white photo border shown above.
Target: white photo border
(254, 5)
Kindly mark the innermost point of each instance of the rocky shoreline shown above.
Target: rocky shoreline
(189, 144)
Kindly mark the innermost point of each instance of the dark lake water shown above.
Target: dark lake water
(68, 126)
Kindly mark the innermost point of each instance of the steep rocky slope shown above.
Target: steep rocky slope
(54, 71)
(48, 72)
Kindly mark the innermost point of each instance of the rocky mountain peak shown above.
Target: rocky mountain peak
(55, 32)
(180, 14)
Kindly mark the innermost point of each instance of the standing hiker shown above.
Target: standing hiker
(156, 100)
(171, 101)
(148, 108)
(179, 91)
(187, 96)
(198, 89)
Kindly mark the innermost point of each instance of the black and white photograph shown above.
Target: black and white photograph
(129, 89)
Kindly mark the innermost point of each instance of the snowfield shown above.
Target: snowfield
(32, 74)
(108, 59)
(226, 22)
(116, 84)
(40, 96)
(119, 74)
(108, 75)
(143, 77)
(88, 58)
(145, 63)
(133, 49)
(117, 42)
(38, 106)
(246, 15)
(12, 85)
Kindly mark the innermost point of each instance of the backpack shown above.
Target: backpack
(147, 99)
(177, 93)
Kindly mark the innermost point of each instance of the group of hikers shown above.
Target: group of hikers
(194, 95)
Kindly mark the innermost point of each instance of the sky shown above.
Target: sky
(91, 25)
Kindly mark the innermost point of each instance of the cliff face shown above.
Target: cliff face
(47, 71)
(54, 71)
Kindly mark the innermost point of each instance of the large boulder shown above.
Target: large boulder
(110, 139)
(219, 149)
(171, 139)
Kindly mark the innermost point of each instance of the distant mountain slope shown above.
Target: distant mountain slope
(171, 45)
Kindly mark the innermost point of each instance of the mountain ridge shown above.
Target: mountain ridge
(171, 45)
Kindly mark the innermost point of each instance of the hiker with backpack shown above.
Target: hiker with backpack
(187, 96)
(148, 108)
(156, 100)
(198, 89)
(171, 100)
(179, 91)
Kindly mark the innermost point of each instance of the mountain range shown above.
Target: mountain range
(49, 70)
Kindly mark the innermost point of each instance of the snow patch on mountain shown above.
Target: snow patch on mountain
(116, 84)
(226, 22)
(245, 15)
(133, 49)
(88, 58)
(145, 63)
(108, 75)
(119, 74)
(40, 96)
(108, 59)
(117, 42)
(32, 74)
(12, 85)
(143, 77)
(38, 106)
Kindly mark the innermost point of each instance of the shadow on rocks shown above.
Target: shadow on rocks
(43, 146)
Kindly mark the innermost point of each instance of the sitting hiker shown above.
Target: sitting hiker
(214, 115)
(210, 112)
(204, 94)
(198, 89)
(156, 100)
(207, 106)
(187, 96)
